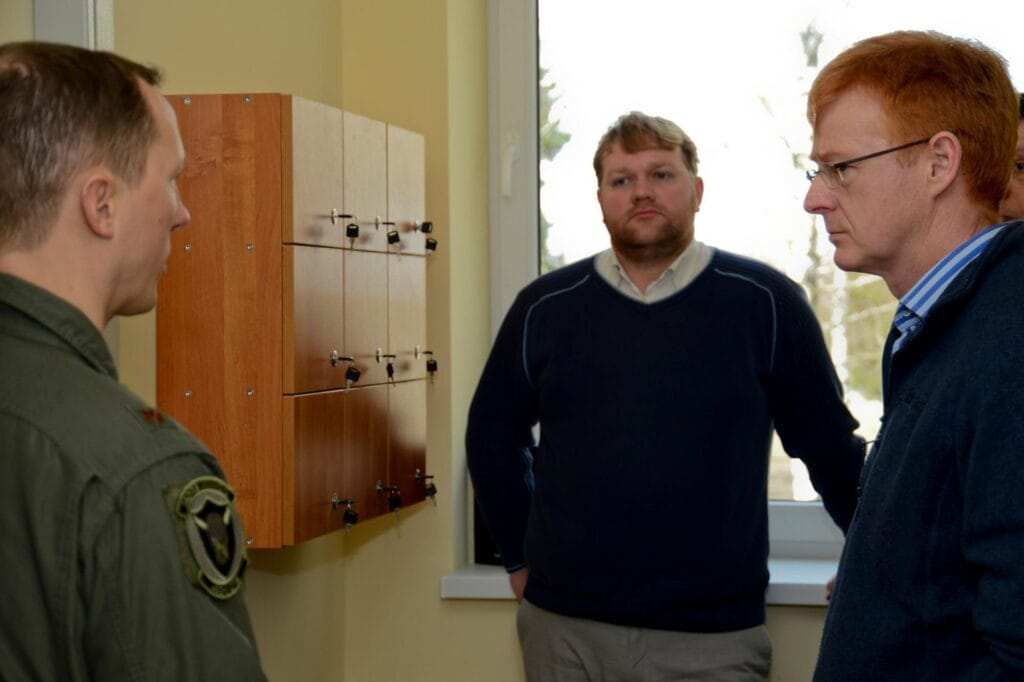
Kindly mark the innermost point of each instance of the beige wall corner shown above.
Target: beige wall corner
(796, 637)
(16, 18)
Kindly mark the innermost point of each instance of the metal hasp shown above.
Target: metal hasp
(349, 516)
(429, 489)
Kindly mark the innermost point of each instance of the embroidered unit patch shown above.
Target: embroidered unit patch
(211, 534)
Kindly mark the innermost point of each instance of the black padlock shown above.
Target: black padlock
(430, 490)
(431, 365)
(350, 516)
(390, 367)
(352, 374)
(393, 237)
(431, 244)
(426, 227)
(394, 501)
(352, 231)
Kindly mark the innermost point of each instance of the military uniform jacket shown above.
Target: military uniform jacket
(98, 579)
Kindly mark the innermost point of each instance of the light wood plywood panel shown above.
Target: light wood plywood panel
(366, 448)
(407, 315)
(318, 455)
(407, 441)
(366, 180)
(315, 138)
(406, 188)
(366, 313)
(313, 319)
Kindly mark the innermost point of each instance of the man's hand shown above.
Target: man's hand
(517, 579)
(830, 587)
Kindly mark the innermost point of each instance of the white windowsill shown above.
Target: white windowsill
(793, 582)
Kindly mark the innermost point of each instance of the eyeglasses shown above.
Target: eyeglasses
(832, 173)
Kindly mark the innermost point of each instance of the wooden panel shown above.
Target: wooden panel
(407, 439)
(190, 384)
(366, 321)
(319, 455)
(366, 180)
(232, 186)
(406, 188)
(317, 174)
(313, 305)
(407, 315)
(366, 449)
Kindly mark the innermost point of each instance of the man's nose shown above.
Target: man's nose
(819, 199)
(184, 217)
(641, 189)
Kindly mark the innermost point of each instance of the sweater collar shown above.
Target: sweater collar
(965, 282)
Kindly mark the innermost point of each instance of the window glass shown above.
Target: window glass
(734, 75)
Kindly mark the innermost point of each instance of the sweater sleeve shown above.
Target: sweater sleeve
(499, 437)
(810, 417)
(992, 537)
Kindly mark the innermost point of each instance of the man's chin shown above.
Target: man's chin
(138, 306)
(648, 250)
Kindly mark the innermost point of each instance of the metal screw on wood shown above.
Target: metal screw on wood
(188, 246)
(188, 101)
(250, 392)
(250, 247)
(188, 393)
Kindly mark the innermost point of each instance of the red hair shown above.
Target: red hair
(929, 82)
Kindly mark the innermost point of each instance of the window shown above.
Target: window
(739, 89)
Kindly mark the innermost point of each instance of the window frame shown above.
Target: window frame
(797, 530)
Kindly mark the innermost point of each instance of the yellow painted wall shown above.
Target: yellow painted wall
(366, 606)
(16, 20)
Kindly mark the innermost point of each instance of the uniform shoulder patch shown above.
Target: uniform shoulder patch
(210, 534)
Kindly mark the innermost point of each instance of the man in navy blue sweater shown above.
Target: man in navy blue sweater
(637, 527)
(914, 137)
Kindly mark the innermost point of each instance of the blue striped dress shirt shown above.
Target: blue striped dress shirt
(914, 306)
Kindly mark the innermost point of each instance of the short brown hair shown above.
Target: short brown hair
(929, 82)
(637, 132)
(61, 109)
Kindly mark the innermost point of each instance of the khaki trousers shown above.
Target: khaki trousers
(562, 649)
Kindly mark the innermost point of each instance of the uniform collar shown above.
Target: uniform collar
(61, 319)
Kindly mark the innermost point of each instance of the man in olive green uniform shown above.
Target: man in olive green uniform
(120, 551)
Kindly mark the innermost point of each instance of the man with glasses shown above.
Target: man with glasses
(914, 137)
(637, 526)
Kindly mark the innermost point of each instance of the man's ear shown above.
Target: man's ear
(98, 202)
(945, 154)
(698, 192)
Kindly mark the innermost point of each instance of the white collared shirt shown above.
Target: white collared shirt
(690, 263)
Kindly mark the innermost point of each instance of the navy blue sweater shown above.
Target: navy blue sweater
(931, 584)
(644, 502)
